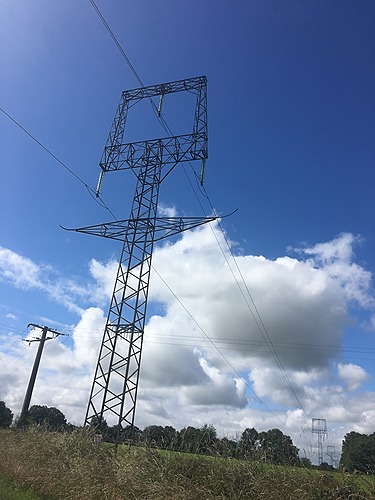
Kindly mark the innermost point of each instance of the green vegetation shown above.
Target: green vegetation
(48, 416)
(358, 453)
(6, 416)
(71, 466)
(270, 446)
(10, 490)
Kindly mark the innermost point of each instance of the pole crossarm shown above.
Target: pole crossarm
(163, 227)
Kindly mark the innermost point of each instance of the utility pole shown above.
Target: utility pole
(30, 387)
(115, 386)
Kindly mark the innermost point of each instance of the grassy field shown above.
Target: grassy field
(10, 490)
(70, 466)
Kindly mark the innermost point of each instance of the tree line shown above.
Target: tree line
(271, 446)
(358, 450)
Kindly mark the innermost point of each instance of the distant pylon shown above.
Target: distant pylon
(331, 453)
(319, 427)
(115, 386)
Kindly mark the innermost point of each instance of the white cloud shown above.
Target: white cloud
(24, 274)
(202, 324)
(104, 275)
(298, 304)
(87, 336)
(19, 270)
(336, 259)
(352, 375)
(165, 211)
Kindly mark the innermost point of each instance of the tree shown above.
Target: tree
(153, 435)
(352, 441)
(208, 440)
(325, 466)
(249, 443)
(6, 416)
(99, 424)
(189, 439)
(305, 462)
(160, 437)
(227, 448)
(277, 447)
(51, 417)
(131, 434)
(170, 437)
(358, 452)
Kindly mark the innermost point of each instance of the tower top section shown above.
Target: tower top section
(189, 146)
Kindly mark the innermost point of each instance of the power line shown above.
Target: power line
(117, 43)
(229, 343)
(129, 63)
(47, 150)
(64, 165)
(219, 351)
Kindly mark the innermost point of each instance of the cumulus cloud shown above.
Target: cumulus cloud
(336, 259)
(86, 340)
(352, 375)
(216, 337)
(24, 274)
(299, 305)
(166, 211)
(19, 270)
(219, 389)
(104, 275)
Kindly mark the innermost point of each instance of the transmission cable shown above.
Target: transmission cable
(129, 63)
(218, 349)
(91, 191)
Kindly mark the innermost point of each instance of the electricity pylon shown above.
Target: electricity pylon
(115, 386)
(319, 427)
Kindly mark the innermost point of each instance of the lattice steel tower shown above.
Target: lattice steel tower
(115, 386)
(319, 427)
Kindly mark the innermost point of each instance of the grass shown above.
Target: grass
(10, 490)
(72, 467)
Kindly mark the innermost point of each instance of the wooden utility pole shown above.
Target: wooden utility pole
(30, 387)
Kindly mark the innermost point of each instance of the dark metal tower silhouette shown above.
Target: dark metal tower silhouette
(319, 427)
(115, 386)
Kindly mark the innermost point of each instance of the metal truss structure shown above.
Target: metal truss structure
(115, 386)
(319, 427)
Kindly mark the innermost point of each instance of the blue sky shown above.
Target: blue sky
(291, 127)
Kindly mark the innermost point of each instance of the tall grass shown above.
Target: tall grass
(72, 467)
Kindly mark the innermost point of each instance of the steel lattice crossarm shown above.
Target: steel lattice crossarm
(163, 227)
(173, 150)
(119, 155)
(190, 85)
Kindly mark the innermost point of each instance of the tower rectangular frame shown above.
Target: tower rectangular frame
(119, 155)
